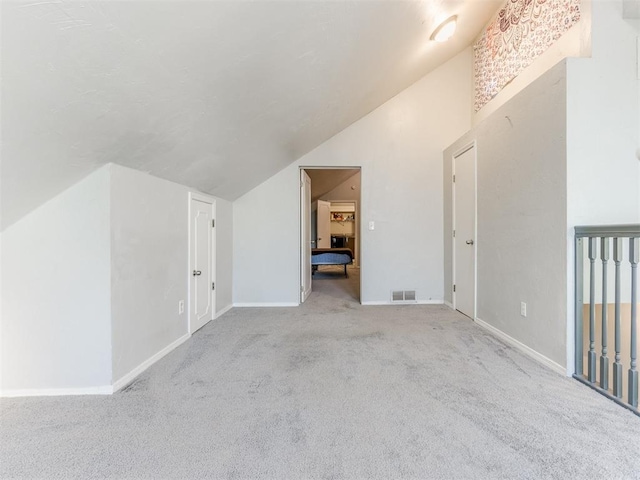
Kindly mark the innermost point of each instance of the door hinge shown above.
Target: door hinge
(454, 234)
(213, 285)
(454, 179)
(213, 224)
(454, 288)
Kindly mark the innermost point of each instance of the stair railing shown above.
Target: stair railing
(613, 375)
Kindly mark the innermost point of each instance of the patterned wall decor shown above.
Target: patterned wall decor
(522, 31)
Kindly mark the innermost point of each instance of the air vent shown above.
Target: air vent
(403, 296)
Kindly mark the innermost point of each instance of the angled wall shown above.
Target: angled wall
(56, 294)
(91, 282)
(398, 146)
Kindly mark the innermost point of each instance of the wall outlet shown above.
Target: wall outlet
(523, 309)
(372, 225)
(180, 307)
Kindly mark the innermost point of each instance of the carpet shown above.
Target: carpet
(329, 390)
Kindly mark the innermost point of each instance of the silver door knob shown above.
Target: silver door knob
(196, 273)
(469, 242)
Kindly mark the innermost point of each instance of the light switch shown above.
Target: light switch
(372, 225)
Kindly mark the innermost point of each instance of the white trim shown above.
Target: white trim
(214, 238)
(469, 146)
(450, 305)
(530, 352)
(265, 304)
(419, 302)
(128, 378)
(224, 310)
(50, 392)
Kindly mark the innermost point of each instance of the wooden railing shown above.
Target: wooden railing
(621, 244)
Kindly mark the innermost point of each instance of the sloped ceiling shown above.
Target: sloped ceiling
(324, 180)
(215, 95)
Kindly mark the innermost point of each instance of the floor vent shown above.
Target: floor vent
(403, 296)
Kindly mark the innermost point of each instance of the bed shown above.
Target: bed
(331, 256)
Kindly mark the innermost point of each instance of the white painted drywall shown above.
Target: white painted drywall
(91, 282)
(149, 254)
(55, 329)
(399, 147)
(521, 151)
(603, 181)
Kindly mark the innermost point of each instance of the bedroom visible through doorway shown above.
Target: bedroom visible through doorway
(330, 232)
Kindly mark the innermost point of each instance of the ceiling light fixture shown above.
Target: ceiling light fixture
(445, 30)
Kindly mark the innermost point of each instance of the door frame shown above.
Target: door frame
(471, 145)
(358, 226)
(207, 199)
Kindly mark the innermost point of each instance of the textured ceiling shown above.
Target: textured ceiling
(215, 95)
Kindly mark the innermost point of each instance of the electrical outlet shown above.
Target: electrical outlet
(523, 309)
(372, 225)
(180, 307)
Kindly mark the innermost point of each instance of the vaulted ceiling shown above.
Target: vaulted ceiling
(216, 95)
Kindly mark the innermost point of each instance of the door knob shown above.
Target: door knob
(469, 242)
(196, 273)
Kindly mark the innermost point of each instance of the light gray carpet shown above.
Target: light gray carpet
(330, 390)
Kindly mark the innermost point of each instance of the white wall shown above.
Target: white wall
(56, 293)
(603, 181)
(149, 255)
(91, 282)
(521, 192)
(399, 148)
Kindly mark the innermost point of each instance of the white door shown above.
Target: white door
(305, 235)
(464, 224)
(201, 262)
(324, 224)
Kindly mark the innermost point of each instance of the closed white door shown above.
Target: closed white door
(201, 260)
(464, 187)
(305, 235)
(324, 224)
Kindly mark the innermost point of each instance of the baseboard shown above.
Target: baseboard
(389, 302)
(266, 304)
(450, 305)
(128, 378)
(530, 352)
(223, 311)
(51, 392)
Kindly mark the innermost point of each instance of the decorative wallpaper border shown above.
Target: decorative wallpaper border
(521, 32)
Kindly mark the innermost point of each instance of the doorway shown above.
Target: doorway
(330, 232)
(201, 260)
(464, 231)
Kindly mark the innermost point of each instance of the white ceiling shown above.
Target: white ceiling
(215, 95)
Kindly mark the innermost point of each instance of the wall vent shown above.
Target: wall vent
(403, 296)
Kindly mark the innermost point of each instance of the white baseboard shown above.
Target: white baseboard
(223, 311)
(389, 302)
(128, 378)
(450, 305)
(266, 304)
(51, 392)
(530, 352)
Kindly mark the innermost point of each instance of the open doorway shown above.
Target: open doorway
(330, 232)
